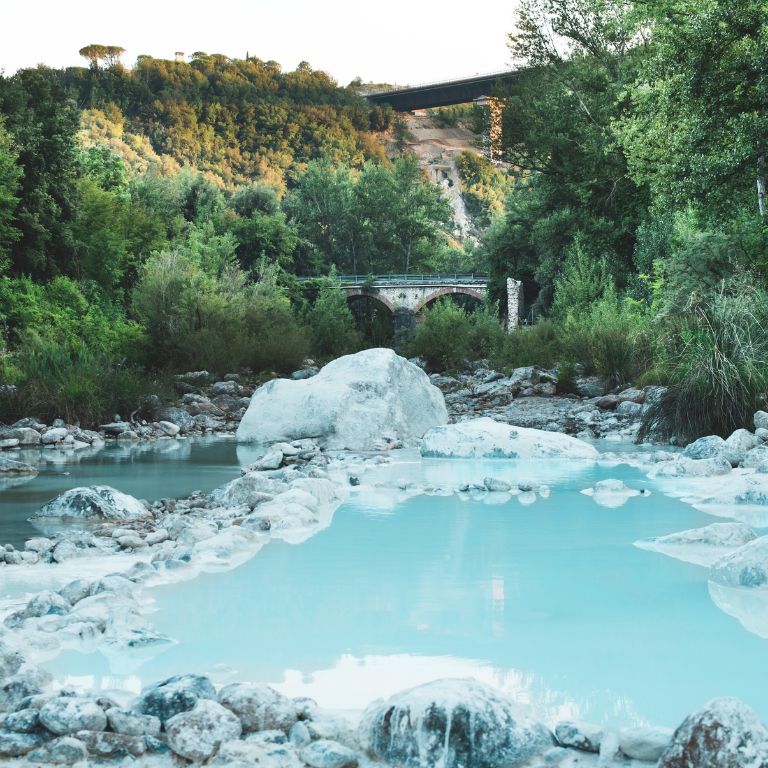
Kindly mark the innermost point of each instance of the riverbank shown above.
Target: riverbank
(124, 547)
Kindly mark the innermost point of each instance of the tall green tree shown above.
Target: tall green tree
(699, 128)
(43, 121)
(10, 174)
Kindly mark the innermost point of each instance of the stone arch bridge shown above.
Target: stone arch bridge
(405, 296)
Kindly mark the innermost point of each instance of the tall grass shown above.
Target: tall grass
(717, 368)
(77, 384)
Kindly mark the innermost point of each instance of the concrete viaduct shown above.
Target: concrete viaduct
(445, 94)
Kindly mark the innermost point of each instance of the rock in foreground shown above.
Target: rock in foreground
(485, 438)
(357, 402)
(725, 734)
(451, 724)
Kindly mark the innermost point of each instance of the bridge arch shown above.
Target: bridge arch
(447, 291)
(373, 294)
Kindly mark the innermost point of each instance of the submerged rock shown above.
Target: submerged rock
(725, 734)
(198, 733)
(451, 724)
(96, 501)
(11, 467)
(486, 438)
(356, 402)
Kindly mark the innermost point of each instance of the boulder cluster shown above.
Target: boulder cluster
(532, 397)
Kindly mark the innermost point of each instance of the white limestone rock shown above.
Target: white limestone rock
(66, 715)
(259, 707)
(701, 546)
(745, 567)
(328, 754)
(356, 402)
(582, 736)
(738, 444)
(486, 438)
(612, 493)
(93, 502)
(644, 743)
(724, 734)
(198, 733)
(452, 724)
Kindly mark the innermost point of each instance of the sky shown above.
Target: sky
(399, 41)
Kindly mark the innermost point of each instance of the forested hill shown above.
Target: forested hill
(238, 119)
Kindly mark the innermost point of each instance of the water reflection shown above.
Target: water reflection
(550, 601)
(147, 470)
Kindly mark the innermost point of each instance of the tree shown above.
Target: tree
(10, 174)
(699, 129)
(326, 212)
(578, 58)
(43, 122)
(95, 53)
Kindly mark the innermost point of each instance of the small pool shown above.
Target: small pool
(549, 601)
(161, 469)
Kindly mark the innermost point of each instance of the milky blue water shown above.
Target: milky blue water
(162, 469)
(549, 601)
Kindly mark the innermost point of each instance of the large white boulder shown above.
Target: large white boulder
(356, 402)
(451, 724)
(486, 438)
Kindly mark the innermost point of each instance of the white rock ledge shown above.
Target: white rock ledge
(485, 438)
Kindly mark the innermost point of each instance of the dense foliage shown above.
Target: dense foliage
(154, 219)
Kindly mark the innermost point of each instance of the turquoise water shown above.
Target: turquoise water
(162, 469)
(549, 601)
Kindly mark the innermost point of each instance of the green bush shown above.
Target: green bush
(443, 336)
(331, 323)
(716, 368)
(584, 279)
(486, 333)
(536, 344)
(77, 384)
(215, 319)
(612, 339)
(279, 342)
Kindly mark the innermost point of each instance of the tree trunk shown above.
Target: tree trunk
(761, 185)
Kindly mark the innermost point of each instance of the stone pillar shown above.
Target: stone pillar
(515, 303)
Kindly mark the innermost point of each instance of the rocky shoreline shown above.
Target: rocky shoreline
(291, 493)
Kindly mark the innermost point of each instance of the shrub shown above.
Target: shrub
(77, 384)
(566, 378)
(611, 339)
(716, 365)
(583, 280)
(331, 324)
(443, 336)
(486, 333)
(536, 344)
(278, 342)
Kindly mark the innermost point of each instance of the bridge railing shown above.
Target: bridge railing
(400, 279)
